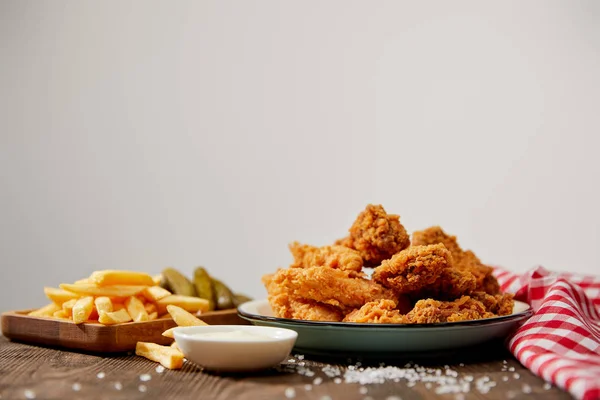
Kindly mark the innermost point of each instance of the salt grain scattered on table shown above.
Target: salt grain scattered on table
(516, 375)
(459, 396)
(505, 378)
(363, 390)
(393, 398)
(308, 387)
(512, 369)
(160, 369)
(142, 388)
(290, 393)
(100, 375)
(318, 380)
(118, 385)
(337, 380)
(76, 387)
(547, 386)
(29, 394)
(326, 397)
(527, 389)
(145, 377)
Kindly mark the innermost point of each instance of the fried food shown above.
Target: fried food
(462, 260)
(344, 289)
(499, 304)
(285, 306)
(433, 311)
(413, 269)
(167, 356)
(340, 257)
(431, 281)
(376, 235)
(380, 312)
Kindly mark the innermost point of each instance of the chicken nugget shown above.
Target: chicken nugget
(376, 235)
(462, 260)
(378, 312)
(344, 289)
(413, 269)
(340, 257)
(433, 311)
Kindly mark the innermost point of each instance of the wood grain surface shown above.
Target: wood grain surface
(54, 374)
(94, 337)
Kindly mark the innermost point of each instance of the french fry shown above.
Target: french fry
(87, 289)
(155, 293)
(46, 311)
(152, 316)
(83, 309)
(157, 279)
(113, 277)
(62, 314)
(150, 308)
(115, 317)
(68, 306)
(59, 296)
(182, 317)
(103, 303)
(136, 309)
(188, 303)
(167, 356)
(84, 281)
(169, 333)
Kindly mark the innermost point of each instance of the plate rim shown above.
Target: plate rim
(527, 313)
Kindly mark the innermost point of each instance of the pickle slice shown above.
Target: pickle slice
(178, 283)
(204, 287)
(223, 295)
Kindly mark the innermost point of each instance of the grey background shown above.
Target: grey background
(144, 134)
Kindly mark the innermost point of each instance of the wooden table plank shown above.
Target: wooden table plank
(51, 374)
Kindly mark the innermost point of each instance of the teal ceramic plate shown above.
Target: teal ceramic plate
(339, 337)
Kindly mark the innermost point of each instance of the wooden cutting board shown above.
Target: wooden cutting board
(98, 338)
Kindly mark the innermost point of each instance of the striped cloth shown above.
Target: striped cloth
(561, 342)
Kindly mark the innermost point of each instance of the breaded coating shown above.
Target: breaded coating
(378, 312)
(344, 289)
(376, 235)
(452, 284)
(284, 306)
(432, 311)
(413, 269)
(462, 260)
(499, 304)
(435, 235)
(340, 257)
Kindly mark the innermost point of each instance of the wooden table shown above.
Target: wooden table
(46, 373)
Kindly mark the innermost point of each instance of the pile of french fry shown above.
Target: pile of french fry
(169, 356)
(113, 297)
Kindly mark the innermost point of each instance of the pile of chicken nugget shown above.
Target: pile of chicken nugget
(427, 280)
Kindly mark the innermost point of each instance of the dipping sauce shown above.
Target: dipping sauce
(233, 336)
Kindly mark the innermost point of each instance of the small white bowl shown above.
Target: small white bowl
(235, 354)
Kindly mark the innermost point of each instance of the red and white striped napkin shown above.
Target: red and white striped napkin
(561, 341)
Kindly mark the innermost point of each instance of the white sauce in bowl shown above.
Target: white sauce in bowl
(232, 336)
